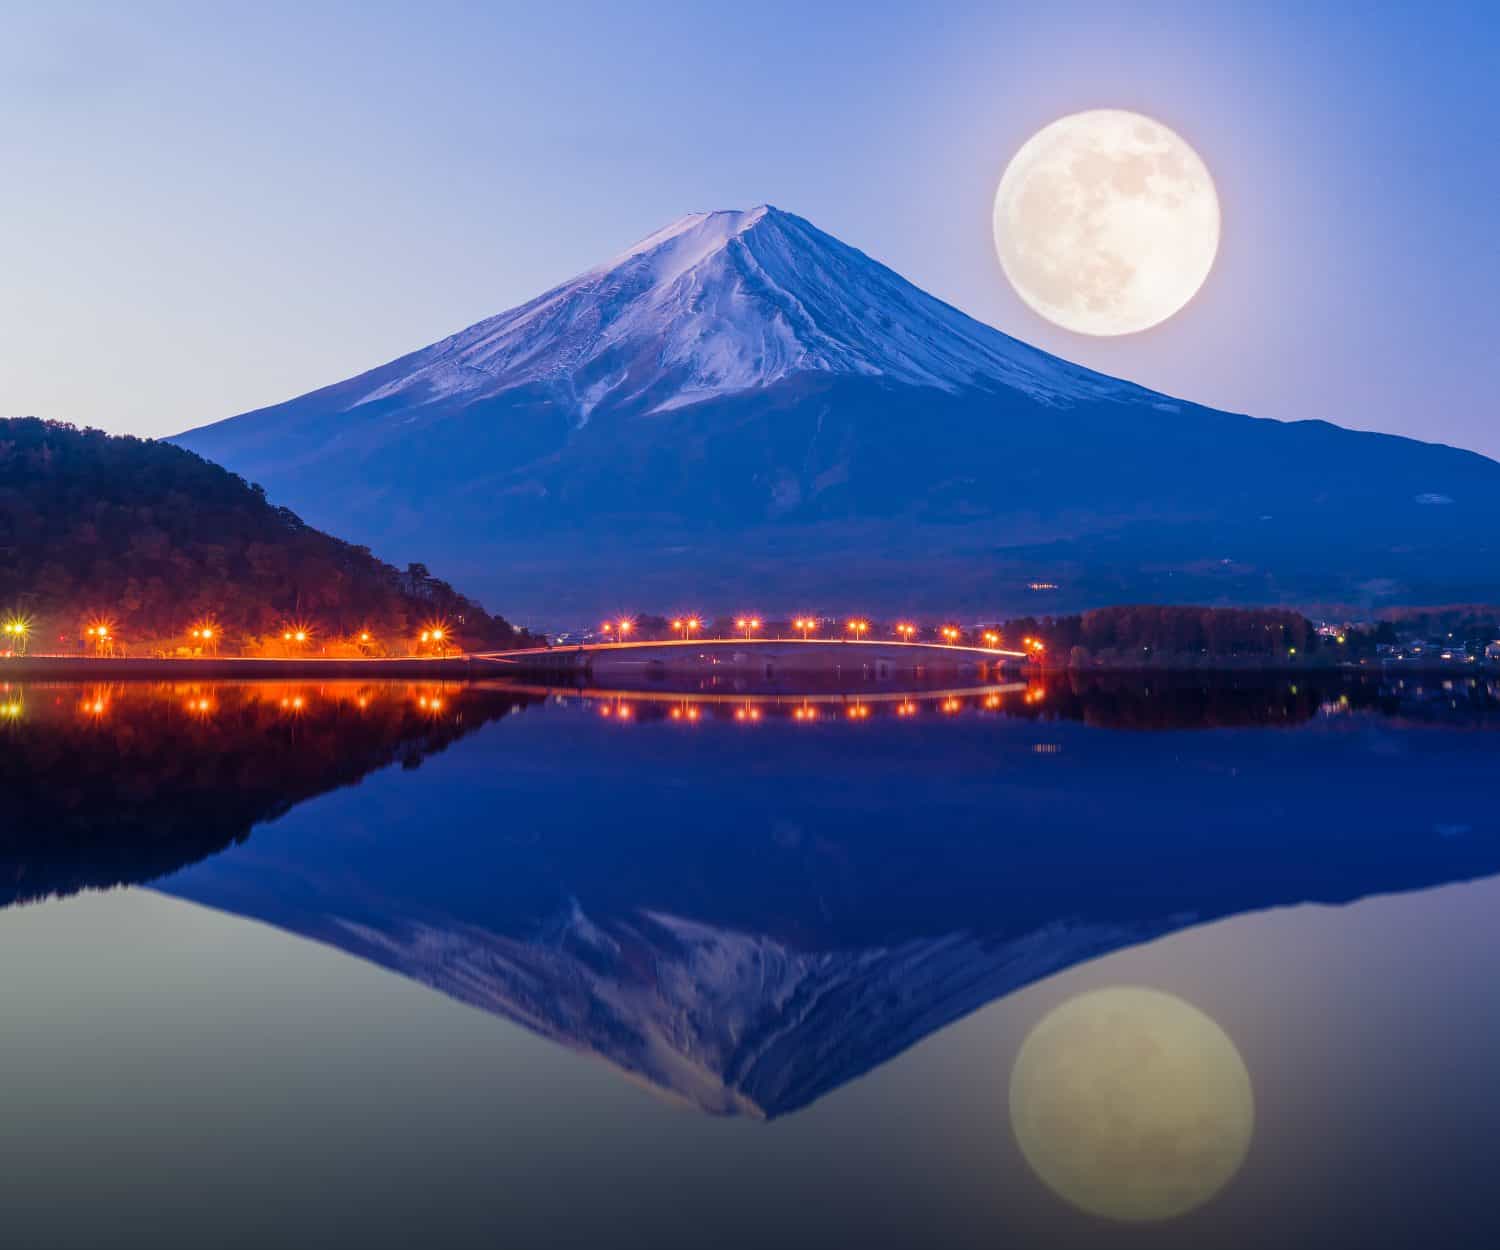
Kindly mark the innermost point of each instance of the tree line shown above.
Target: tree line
(153, 538)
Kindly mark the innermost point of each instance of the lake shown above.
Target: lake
(1065, 962)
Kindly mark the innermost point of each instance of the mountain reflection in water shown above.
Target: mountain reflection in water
(746, 897)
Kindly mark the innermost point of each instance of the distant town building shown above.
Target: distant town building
(1492, 651)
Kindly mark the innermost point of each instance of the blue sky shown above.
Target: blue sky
(207, 208)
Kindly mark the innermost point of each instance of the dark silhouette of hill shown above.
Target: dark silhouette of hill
(152, 538)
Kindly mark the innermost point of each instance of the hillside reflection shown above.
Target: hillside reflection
(118, 783)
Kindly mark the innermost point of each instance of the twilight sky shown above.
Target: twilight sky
(207, 208)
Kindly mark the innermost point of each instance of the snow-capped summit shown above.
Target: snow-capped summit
(718, 303)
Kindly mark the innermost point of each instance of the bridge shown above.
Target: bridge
(757, 657)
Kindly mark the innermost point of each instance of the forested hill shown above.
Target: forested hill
(153, 538)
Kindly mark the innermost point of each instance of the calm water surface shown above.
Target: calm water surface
(1061, 964)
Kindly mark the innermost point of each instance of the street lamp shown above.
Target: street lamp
(205, 634)
(749, 624)
(806, 624)
(859, 629)
(16, 633)
(906, 630)
(991, 638)
(98, 635)
(950, 634)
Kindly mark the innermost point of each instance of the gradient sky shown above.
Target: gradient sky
(208, 208)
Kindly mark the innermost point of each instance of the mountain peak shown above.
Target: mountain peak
(709, 231)
(718, 303)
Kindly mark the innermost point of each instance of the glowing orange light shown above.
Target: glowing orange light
(906, 708)
(906, 630)
(625, 627)
(950, 705)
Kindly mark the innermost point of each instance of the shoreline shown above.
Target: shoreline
(563, 662)
(238, 668)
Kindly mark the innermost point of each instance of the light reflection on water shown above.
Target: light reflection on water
(852, 913)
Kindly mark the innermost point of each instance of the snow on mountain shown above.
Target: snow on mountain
(731, 1023)
(719, 303)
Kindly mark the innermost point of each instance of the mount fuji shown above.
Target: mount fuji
(742, 408)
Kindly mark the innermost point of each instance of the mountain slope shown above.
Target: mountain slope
(742, 405)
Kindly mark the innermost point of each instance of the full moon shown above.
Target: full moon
(1131, 1104)
(1106, 222)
